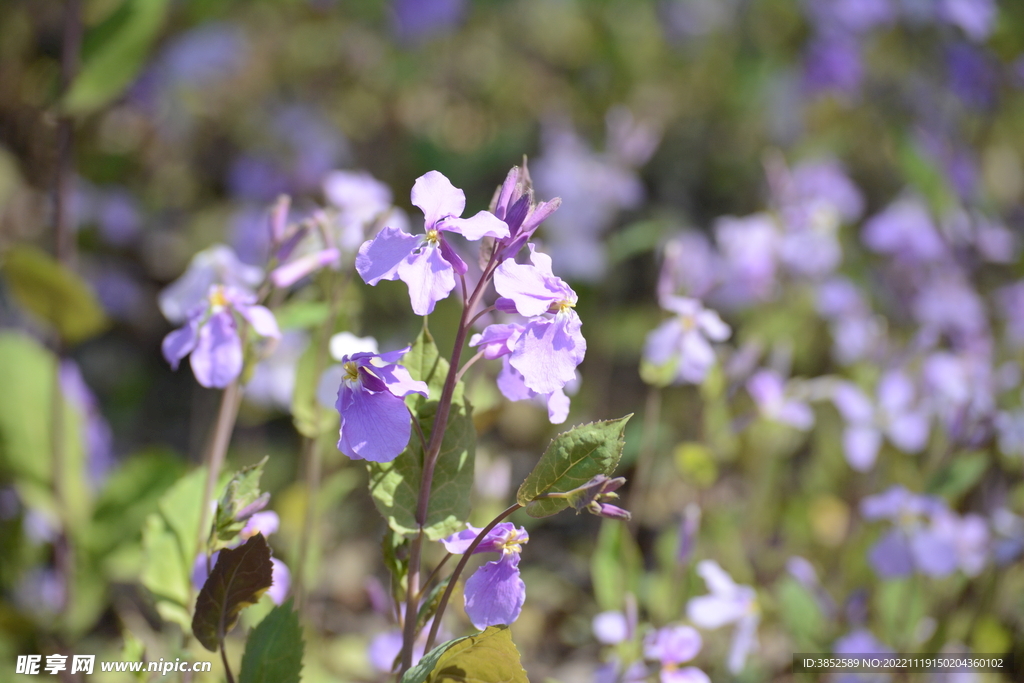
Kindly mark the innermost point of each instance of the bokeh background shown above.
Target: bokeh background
(651, 120)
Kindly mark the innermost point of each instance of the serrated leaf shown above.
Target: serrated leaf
(488, 657)
(273, 651)
(395, 485)
(54, 294)
(239, 578)
(240, 495)
(571, 460)
(127, 36)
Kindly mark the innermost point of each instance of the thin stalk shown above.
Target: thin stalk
(419, 429)
(433, 574)
(468, 365)
(430, 462)
(229, 402)
(458, 572)
(227, 668)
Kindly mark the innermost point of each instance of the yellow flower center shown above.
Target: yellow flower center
(564, 304)
(688, 322)
(217, 298)
(351, 371)
(433, 236)
(512, 544)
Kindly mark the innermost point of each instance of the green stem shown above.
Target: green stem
(226, 415)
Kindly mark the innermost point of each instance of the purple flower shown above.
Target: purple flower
(727, 603)
(217, 265)
(672, 646)
(211, 335)
(748, 247)
(1010, 300)
(895, 415)
(273, 379)
(611, 628)
(975, 17)
(686, 339)
(428, 263)
(417, 20)
(97, 437)
(688, 530)
(374, 419)
(904, 230)
(833, 62)
(689, 267)
(550, 344)
(361, 202)
(856, 332)
(768, 389)
(265, 523)
(852, 15)
(972, 75)
(514, 204)
(495, 593)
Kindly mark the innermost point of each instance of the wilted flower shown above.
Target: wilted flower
(727, 603)
(495, 593)
(427, 263)
(375, 422)
(211, 335)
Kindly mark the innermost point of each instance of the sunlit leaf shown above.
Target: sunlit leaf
(239, 578)
(273, 651)
(488, 657)
(572, 459)
(241, 498)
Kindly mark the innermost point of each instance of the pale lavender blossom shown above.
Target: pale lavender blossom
(975, 17)
(550, 345)
(361, 202)
(855, 329)
(1010, 301)
(418, 20)
(896, 413)
(833, 63)
(211, 335)
(689, 267)
(748, 247)
(685, 340)
(1009, 427)
(273, 379)
(611, 628)
(217, 265)
(775, 402)
(672, 646)
(341, 344)
(495, 593)
(960, 388)
(515, 205)
(375, 422)
(96, 434)
(858, 16)
(727, 603)
(904, 230)
(947, 304)
(427, 263)
(861, 642)
(972, 75)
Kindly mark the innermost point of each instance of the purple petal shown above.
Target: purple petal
(610, 628)
(511, 383)
(688, 674)
(379, 258)
(744, 639)
(399, 382)
(558, 407)
(664, 342)
(549, 351)
(384, 650)
(452, 257)
(217, 357)
(265, 523)
(430, 278)
(495, 594)
(909, 431)
(531, 287)
(374, 426)
(497, 340)
(483, 224)
(290, 273)
(437, 198)
(261, 319)
(890, 556)
(934, 552)
(861, 446)
(180, 342)
(280, 582)
(459, 542)
(852, 403)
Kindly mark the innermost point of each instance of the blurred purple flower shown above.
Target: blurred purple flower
(250, 236)
(119, 217)
(418, 20)
(217, 265)
(769, 391)
(428, 263)
(975, 17)
(861, 642)
(361, 201)
(858, 16)
(375, 422)
(685, 339)
(748, 247)
(672, 646)
(206, 54)
(97, 436)
(273, 379)
(727, 603)
(832, 62)
(495, 593)
(855, 330)
(688, 531)
(257, 179)
(973, 76)
(316, 146)
(610, 628)
(824, 181)
(947, 304)
(211, 335)
(689, 267)
(904, 230)
(1010, 302)
(896, 415)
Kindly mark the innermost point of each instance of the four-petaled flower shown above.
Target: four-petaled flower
(427, 263)
(727, 603)
(686, 339)
(375, 422)
(211, 335)
(672, 646)
(495, 593)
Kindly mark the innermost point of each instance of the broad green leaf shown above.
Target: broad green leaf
(26, 409)
(800, 613)
(54, 293)
(395, 485)
(239, 578)
(273, 651)
(572, 459)
(616, 565)
(116, 51)
(488, 657)
(311, 419)
(242, 491)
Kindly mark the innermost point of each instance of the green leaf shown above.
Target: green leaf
(241, 492)
(959, 476)
(273, 651)
(395, 485)
(572, 459)
(302, 314)
(239, 578)
(488, 657)
(615, 566)
(122, 44)
(54, 293)
(800, 612)
(311, 419)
